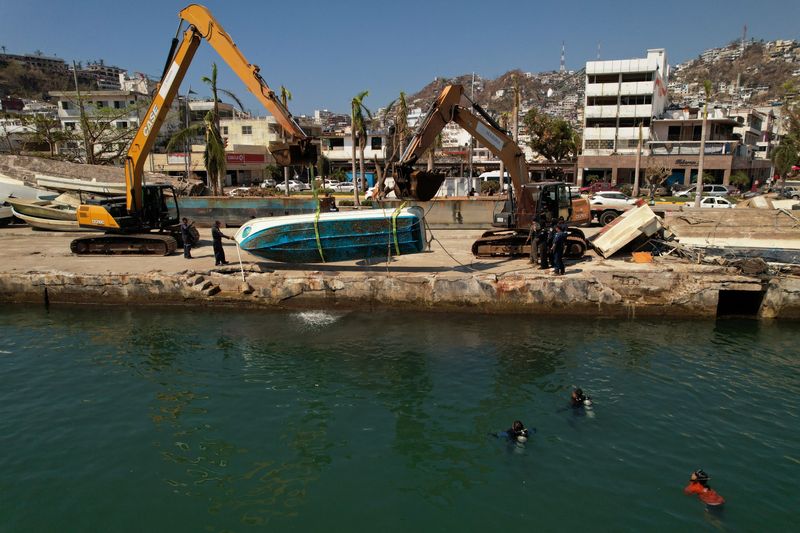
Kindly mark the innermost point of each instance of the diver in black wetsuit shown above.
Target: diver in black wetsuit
(516, 433)
(579, 399)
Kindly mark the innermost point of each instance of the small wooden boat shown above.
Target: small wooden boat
(71, 184)
(43, 209)
(49, 224)
(332, 237)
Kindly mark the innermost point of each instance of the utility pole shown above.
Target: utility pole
(698, 195)
(84, 122)
(638, 164)
(187, 154)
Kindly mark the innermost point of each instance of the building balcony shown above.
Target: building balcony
(691, 147)
(601, 111)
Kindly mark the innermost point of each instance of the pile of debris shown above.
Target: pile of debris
(754, 241)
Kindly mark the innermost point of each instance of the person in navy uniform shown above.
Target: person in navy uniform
(216, 238)
(187, 238)
(557, 248)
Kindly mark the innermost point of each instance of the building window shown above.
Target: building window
(335, 142)
(69, 126)
(603, 78)
(247, 130)
(633, 122)
(117, 104)
(637, 76)
(674, 133)
(601, 100)
(65, 105)
(376, 143)
(697, 133)
(601, 123)
(638, 99)
(100, 104)
(122, 125)
(224, 130)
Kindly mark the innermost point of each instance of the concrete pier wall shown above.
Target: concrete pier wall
(610, 293)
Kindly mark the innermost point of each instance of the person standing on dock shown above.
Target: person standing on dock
(187, 238)
(559, 243)
(216, 238)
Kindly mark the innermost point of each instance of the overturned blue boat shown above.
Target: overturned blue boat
(332, 237)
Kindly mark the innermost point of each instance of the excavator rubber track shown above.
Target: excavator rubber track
(133, 244)
(511, 243)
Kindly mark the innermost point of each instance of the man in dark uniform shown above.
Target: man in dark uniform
(216, 238)
(559, 243)
(186, 236)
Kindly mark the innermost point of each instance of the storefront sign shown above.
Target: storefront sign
(176, 159)
(244, 159)
(686, 163)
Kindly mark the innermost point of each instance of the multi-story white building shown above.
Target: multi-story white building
(621, 96)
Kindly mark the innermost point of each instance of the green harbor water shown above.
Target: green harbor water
(115, 419)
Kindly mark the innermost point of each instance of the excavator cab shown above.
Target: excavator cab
(547, 200)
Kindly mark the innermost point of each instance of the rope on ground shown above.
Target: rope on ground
(433, 238)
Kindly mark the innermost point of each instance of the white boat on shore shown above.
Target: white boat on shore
(72, 184)
(5, 215)
(48, 224)
(44, 209)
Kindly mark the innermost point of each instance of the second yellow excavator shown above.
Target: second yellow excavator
(146, 220)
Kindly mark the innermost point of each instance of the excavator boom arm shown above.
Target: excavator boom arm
(453, 106)
(202, 25)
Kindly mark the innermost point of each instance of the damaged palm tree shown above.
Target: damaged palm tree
(214, 152)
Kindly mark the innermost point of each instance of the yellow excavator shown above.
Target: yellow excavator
(146, 221)
(528, 203)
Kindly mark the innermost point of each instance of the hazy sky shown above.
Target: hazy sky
(325, 52)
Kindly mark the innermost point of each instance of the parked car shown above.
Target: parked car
(269, 183)
(713, 202)
(598, 186)
(789, 192)
(611, 199)
(343, 186)
(708, 190)
(239, 191)
(574, 191)
(294, 186)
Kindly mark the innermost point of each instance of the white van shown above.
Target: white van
(494, 175)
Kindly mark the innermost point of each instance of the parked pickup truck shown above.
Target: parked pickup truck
(608, 205)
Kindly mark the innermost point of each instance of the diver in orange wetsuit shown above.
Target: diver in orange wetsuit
(698, 484)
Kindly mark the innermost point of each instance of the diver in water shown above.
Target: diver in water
(579, 399)
(516, 433)
(698, 484)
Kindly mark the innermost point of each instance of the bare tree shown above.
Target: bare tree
(655, 175)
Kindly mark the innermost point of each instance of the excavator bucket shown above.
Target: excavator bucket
(287, 154)
(418, 184)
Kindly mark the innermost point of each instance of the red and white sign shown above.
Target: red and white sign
(244, 159)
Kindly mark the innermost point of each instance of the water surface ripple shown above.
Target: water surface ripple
(135, 420)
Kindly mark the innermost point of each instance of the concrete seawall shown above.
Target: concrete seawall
(447, 277)
(622, 293)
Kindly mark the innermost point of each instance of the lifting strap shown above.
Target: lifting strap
(394, 227)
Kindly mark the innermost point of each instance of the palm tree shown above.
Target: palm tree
(214, 152)
(699, 189)
(359, 132)
(401, 122)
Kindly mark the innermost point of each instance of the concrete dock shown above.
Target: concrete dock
(38, 266)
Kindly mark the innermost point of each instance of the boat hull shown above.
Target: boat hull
(43, 209)
(346, 236)
(74, 185)
(48, 224)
